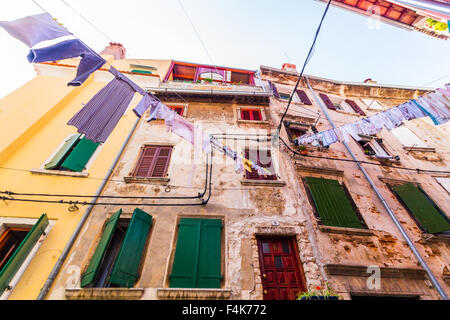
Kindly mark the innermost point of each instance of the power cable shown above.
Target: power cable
(308, 57)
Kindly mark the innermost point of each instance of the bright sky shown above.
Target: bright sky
(241, 34)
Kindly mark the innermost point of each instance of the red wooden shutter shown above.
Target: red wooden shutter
(303, 97)
(327, 101)
(256, 115)
(162, 162)
(245, 114)
(177, 109)
(254, 174)
(145, 162)
(355, 107)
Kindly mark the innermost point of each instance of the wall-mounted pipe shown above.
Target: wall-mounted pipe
(383, 201)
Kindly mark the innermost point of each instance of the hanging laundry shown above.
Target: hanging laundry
(183, 128)
(247, 164)
(101, 114)
(352, 130)
(34, 29)
(148, 100)
(445, 91)
(161, 111)
(435, 114)
(329, 137)
(411, 111)
(89, 63)
(395, 116)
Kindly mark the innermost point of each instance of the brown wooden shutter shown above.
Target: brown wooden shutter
(145, 162)
(162, 162)
(327, 101)
(303, 97)
(355, 107)
(254, 174)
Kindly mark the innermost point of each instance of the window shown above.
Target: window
(407, 138)
(373, 146)
(15, 246)
(153, 162)
(373, 105)
(424, 211)
(355, 107)
(73, 155)
(294, 131)
(285, 96)
(303, 97)
(332, 203)
(445, 183)
(178, 109)
(197, 261)
(263, 158)
(182, 71)
(327, 101)
(251, 114)
(117, 258)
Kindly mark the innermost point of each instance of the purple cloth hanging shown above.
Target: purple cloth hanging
(34, 29)
(274, 89)
(148, 100)
(89, 63)
(101, 114)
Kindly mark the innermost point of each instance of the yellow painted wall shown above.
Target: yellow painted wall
(33, 123)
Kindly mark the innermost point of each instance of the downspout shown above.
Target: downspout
(68, 247)
(386, 206)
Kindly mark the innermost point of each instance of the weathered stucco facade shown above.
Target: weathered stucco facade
(346, 253)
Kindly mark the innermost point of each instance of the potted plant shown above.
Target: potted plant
(319, 293)
(303, 150)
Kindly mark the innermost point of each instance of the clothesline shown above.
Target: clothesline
(97, 119)
(435, 105)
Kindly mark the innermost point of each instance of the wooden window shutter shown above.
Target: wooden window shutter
(245, 115)
(126, 267)
(254, 174)
(90, 274)
(161, 161)
(197, 262)
(185, 263)
(303, 97)
(62, 152)
(274, 89)
(327, 101)
(355, 107)
(429, 216)
(256, 115)
(80, 155)
(209, 275)
(153, 162)
(332, 204)
(21, 253)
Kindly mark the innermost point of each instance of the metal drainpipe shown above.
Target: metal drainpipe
(68, 247)
(386, 206)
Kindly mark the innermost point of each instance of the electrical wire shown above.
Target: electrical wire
(308, 58)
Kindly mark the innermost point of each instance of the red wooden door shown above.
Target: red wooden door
(282, 276)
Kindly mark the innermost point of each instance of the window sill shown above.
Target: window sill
(60, 173)
(253, 121)
(420, 149)
(436, 237)
(157, 180)
(104, 294)
(348, 231)
(193, 294)
(349, 113)
(270, 183)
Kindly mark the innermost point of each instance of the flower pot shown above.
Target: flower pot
(320, 298)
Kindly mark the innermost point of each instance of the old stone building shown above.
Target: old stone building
(329, 183)
(210, 233)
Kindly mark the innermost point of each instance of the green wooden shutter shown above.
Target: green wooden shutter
(126, 267)
(422, 208)
(89, 275)
(332, 203)
(209, 275)
(80, 155)
(21, 253)
(197, 257)
(185, 263)
(57, 158)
